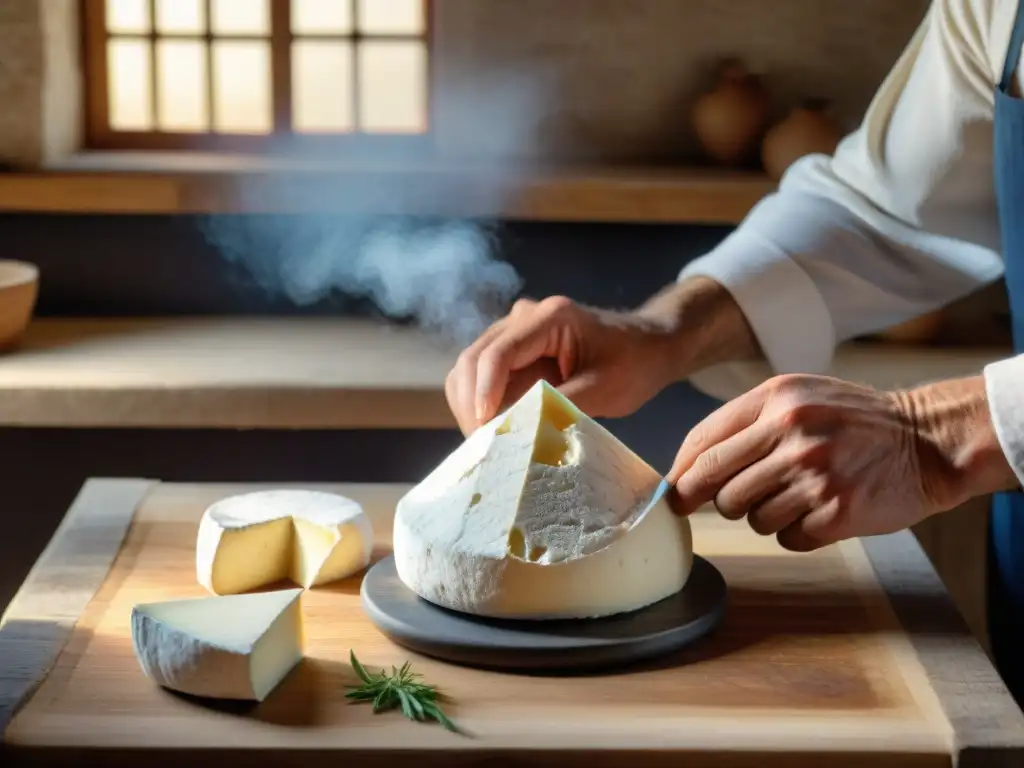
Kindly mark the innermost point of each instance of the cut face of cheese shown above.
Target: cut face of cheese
(539, 514)
(254, 539)
(224, 647)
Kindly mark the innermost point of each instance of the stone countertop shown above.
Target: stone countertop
(321, 373)
(881, 365)
(226, 373)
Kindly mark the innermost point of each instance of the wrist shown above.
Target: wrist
(958, 451)
(697, 324)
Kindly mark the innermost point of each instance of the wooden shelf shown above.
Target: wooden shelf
(885, 366)
(323, 373)
(153, 183)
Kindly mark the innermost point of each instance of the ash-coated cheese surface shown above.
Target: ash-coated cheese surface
(255, 539)
(538, 515)
(224, 647)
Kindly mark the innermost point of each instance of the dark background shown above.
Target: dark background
(141, 265)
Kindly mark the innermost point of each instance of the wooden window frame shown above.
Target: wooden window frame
(100, 136)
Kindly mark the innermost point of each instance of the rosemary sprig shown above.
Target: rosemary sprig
(402, 690)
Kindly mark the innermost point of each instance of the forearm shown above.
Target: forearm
(957, 439)
(702, 325)
(898, 222)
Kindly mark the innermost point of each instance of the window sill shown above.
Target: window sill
(195, 183)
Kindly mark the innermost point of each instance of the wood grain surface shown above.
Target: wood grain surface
(45, 611)
(837, 657)
(150, 183)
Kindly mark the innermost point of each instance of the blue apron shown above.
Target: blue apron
(1006, 523)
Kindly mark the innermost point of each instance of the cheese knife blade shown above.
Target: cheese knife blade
(658, 495)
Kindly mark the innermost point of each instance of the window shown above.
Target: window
(251, 74)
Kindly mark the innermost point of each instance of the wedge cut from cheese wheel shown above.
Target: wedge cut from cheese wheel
(255, 539)
(223, 647)
(539, 515)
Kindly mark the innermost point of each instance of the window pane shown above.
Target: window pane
(180, 17)
(128, 16)
(241, 86)
(391, 17)
(181, 85)
(392, 86)
(322, 86)
(128, 74)
(320, 17)
(240, 17)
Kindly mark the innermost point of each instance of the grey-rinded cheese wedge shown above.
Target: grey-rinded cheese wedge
(224, 647)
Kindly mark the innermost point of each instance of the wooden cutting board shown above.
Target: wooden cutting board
(836, 658)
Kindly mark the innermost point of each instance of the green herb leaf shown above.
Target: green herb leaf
(406, 702)
(382, 701)
(435, 712)
(402, 690)
(358, 667)
(417, 706)
(362, 694)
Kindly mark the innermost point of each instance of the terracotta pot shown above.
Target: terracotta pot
(806, 130)
(731, 119)
(920, 330)
(19, 286)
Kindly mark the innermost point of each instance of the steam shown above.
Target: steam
(443, 275)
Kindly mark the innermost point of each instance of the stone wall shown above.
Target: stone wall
(21, 78)
(62, 93)
(594, 79)
(40, 85)
(615, 79)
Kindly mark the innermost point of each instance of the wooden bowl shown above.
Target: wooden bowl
(19, 287)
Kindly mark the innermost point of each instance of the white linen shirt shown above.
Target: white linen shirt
(900, 221)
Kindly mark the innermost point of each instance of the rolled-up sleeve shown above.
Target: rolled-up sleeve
(900, 221)
(1004, 387)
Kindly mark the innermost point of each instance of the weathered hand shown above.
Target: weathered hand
(815, 460)
(608, 363)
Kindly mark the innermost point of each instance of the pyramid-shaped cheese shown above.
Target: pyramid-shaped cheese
(224, 647)
(539, 514)
(255, 539)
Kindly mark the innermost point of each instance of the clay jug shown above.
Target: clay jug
(731, 119)
(807, 129)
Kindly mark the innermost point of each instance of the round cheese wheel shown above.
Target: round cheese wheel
(250, 540)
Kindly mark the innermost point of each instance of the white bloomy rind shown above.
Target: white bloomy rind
(254, 539)
(538, 515)
(224, 647)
